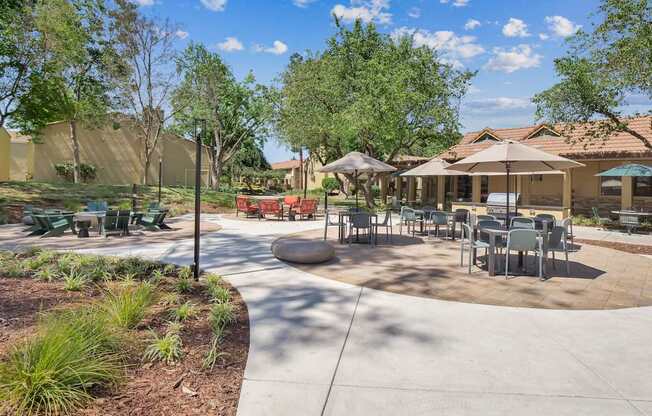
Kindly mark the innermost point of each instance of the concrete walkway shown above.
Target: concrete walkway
(320, 347)
(614, 236)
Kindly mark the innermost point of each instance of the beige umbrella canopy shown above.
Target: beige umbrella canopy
(434, 167)
(355, 163)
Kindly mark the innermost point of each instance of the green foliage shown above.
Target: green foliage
(14, 268)
(221, 315)
(56, 372)
(183, 285)
(184, 273)
(66, 170)
(47, 274)
(170, 299)
(167, 348)
(330, 184)
(125, 305)
(601, 70)
(213, 354)
(219, 293)
(184, 311)
(213, 279)
(74, 280)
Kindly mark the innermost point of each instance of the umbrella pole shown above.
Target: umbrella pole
(507, 210)
(355, 173)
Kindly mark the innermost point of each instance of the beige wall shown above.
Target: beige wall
(22, 161)
(5, 159)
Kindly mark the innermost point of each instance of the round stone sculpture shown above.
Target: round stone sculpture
(303, 251)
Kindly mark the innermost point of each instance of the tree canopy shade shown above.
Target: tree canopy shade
(602, 69)
(370, 93)
(237, 113)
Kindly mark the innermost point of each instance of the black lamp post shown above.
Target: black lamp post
(160, 178)
(195, 265)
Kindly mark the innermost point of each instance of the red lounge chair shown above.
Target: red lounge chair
(243, 204)
(307, 208)
(270, 207)
(292, 202)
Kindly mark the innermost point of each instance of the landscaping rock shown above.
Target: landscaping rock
(303, 251)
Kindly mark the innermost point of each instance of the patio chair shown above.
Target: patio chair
(152, 220)
(117, 222)
(522, 223)
(243, 204)
(270, 207)
(567, 223)
(600, 220)
(557, 243)
(291, 201)
(306, 208)
(408, 217)
(329, 222)
(629, 220)
(386, 224)
(52, 225)
(483, 217)
(437, 220)
(461, 216)
(96, 206)
(484, 237)
(467, 239)
(361, 221)
(154, 205)
(524, 240)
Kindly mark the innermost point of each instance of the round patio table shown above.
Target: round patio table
(82, 228)
(494, 232)
(90, 216)
(342, 227)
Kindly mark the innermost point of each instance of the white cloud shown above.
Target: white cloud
(277, 48)
(515, 28)
(456, 3)
(364, 10)
(452, 47)
(181, 34)
(144, 2)
(496, 105)
(302, 3)
(543, 36)
(230, 44)
(561, 26)
(414, 12)
(472, 24)
(519, 57)
(214, 5)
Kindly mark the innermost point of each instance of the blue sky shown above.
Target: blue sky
(512, 43)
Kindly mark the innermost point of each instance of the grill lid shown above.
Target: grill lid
(500, 198)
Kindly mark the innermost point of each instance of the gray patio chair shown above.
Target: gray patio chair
(332, 220)
(408, 217)
(467, 239)
(439, 219)
(567, 223)
(600, 220)
(524, 240)
(462, 216)
(557, 243)
(483, 217)
(361, 221)
(386, 224)
(484, 237)
(521, 223)
(629, 220)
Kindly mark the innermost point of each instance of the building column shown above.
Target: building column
(567, 196)
(425, 189)
(627, 193)
(476, 188)
(398, 182)
(412, 189)
(524, 188)
(441, 192)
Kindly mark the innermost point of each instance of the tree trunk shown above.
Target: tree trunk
(76, 175)
(368, 193)
(216, 174)
(341, 183)
(146, 172)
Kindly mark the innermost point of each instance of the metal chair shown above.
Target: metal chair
(601, 220)
(629, 220)
(386, 224)
(557, 243)
(522, 223)
(567, 223)
(483, 217)
(524, 240)
(462, 216)
(473, 244)
(328, 222)
(408, 216)
(484, 237)
(361, 221)
(439, 219)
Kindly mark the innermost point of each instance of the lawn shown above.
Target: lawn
(13, 195)
(99, 335)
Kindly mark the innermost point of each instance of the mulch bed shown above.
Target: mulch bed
(150, 389)
(627, 248)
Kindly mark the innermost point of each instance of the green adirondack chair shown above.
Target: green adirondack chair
(52, 225)
(152, 220)
(116, 222)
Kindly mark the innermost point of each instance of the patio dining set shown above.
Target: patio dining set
(107, 221)
(275, 207)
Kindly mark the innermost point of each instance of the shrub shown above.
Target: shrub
(330, 184)
(219, 294)
(170, 298)
(87, 171)
(47, 274)
(185, 273)
(213, 354)
(68, 262)
(167, 348)
(220, 316)
(169, 269)
(14, 268)
(184, 311)
(183, 285)
(213, 279)
(41, 259)
(156, 276)
(125, 305)
(55, 372)
(74, 280)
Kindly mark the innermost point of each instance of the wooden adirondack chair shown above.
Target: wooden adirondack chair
(151, 220)
(52, 225)
(116, 222)
(270, 207)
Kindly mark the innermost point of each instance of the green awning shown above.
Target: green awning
(632, 169)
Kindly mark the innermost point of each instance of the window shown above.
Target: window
(464, 184)
(486, 137)
(610, 186)
(642, 186)
(545, 131)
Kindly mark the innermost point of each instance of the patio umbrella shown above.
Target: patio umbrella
(355, 163)
(509, 157)
(631, 169)
(434, 167)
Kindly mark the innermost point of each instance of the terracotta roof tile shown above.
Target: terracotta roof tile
(288, 164)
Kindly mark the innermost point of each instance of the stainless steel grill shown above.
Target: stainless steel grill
(497, 204)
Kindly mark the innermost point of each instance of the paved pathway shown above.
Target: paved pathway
(615, 236)
(320, 347)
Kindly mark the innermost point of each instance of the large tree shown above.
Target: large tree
(235, 111)
(603, 68)
(76, 83)
(370, 93)
(148, 47)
